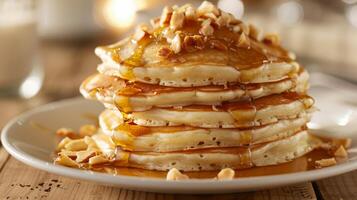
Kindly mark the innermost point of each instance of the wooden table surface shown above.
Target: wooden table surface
(66, 65)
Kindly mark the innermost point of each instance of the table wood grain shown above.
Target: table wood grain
(66, 64)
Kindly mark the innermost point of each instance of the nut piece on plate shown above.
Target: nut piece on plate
(325, 162)
(99, 159)
(341, 152)
(83, 156)
(87, 130)
(76, 145)
(66, 132)
(226, 174)
(175, 175)
(63, 159)
(61, 145)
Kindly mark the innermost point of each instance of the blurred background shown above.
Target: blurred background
(46, 46)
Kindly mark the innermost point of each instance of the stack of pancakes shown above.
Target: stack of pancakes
(200, 90)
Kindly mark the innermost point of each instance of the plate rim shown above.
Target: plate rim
(202, 186)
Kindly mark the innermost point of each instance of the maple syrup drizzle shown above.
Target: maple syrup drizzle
(123, 103)
(245, 159)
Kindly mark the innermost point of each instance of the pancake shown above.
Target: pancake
(166, 139)
(142, 97)
(189, 56)
(273, 153)
(258, 112)
(200, 75)
(197, 90)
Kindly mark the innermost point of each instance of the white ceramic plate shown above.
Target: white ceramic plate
(336, 99)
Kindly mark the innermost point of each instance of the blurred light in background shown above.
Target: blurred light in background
(350, 1)
(234, 7)
(351, 15)
(119, 13)
(32, 84)
(290, 13)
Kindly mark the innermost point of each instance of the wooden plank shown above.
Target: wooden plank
(339, 187)
(4, 156)
(18, 181)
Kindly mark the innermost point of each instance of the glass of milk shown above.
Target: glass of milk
(20, 72)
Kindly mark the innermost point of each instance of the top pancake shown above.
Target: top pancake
(207, 47)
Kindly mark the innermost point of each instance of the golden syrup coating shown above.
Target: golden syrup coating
(185, 37)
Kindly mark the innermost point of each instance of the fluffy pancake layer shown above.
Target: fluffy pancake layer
(167, 139)
(218, 58)
(272, 153)
(140, 97)
(257, 112)
(200, 75)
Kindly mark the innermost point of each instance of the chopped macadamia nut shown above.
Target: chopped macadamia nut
(206, 28)
(229, 18)
(175, 175)
(63, 142)
(66, 161)
(291, 55)
(190, 12)
(139, 34)
(207, 7)
(99, 159)
(243, 41)
(83, 156)
(166, 16)
(272, 39)
(236, 29)
(91, 145)
(224, 19)
(226, 174)
(76, 145)
(169, 34)
(87, 130)
(211, 16)
(71, 154)
(325, 162)
(176, 44)
(177, 20)
(66, 132)
(341, 152)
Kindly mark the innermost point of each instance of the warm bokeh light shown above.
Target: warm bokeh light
(234, 7)
(119, 13)
(289, 13)
(351, 15)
